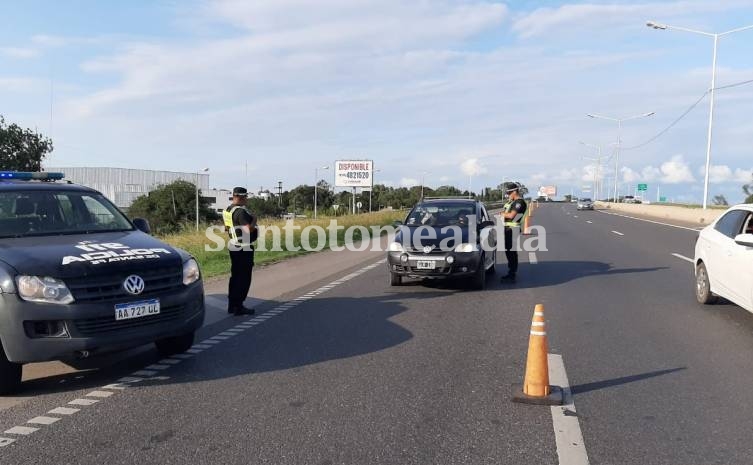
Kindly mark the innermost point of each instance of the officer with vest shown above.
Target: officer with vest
(241, 228)
(512, 214)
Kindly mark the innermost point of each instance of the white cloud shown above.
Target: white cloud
(676, 171)
(409, 182)
(18, 52)
(444, 179)
(719, 174)
(472, 167)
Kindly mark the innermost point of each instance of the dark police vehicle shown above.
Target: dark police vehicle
(444, 238)
(77, 278)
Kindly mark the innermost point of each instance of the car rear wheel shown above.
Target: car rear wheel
(10, 374)
(174, 345)
(395, 279)
(703, 286)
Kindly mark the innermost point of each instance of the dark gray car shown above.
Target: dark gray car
(77, 278)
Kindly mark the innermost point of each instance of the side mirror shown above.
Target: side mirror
(486, 224)
(746, 240)
(142, 225)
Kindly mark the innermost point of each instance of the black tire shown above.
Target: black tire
(10, 375)
(174, 345)
(703, 292)
(396, 279)
(478, 282)
(493, 269)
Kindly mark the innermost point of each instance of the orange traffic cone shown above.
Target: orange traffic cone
(536, 388)
(527, 225)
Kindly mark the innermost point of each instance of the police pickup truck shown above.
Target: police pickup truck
(78, 278)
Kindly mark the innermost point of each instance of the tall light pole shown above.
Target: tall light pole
(716, 36)
(597, 171)
(619, 122)
(423, 174)
(316, 184)
(197, 196)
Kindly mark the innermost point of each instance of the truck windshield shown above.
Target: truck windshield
(442, 214)
(45, 213)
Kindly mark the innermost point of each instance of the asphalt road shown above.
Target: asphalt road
(360, 372)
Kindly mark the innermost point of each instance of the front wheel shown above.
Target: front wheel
(174, 345)
(10, 374)
(703, 292)
(479, 279)
(395, 279)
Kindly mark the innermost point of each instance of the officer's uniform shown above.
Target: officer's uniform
(241, 251)
(519, 206)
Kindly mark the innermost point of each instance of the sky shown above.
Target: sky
(461, 92)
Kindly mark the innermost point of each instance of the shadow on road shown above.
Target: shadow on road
(607, 383)
(559, 272)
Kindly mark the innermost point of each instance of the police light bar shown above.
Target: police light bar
(28, 176)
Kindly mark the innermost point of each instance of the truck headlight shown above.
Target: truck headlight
(43, 289)
(466, 248)
(396, 247)
(191, 272)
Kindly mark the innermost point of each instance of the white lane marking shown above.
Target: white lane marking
(532, 259)
(43, 420)
(169, 361)
(182, 356)
(201, 346)
(589, 222)
(226, 333)
(144, 373)
(208, 341)
(571, 449)
(6, 442)
(117, 386)
(102, 394)
(575, 216)
(220, 338)
(652, 221)
(195, 351)
(84, 402)
(683, 257)
(64, 411)
(159, 378)
(618, 233)
(130, 379)
(21, 430)
(158, 367)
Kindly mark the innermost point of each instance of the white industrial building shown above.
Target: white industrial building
(123, 185)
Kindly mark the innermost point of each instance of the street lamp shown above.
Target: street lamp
(617, 151)
(423, 175)
(716, 36)
(597, 171)
(316, 183)
(197, 196)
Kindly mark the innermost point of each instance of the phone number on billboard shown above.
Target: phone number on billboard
(356, 175)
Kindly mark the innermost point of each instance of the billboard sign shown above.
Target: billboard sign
(548, 191)
(354, 173)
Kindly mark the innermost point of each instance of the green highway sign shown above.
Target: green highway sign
(642, 187)
(662, 199)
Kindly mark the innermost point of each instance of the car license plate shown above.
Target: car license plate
(137, 309)
(425, 265)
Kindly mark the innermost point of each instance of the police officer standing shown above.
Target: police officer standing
(241, 227)
(512, 214)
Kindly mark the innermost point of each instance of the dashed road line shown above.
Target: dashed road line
(148, 372)
(589, 222)
(683, 257)
(532, 259)
(618, 233)
(571, 449)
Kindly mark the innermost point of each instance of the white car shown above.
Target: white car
(724, 258)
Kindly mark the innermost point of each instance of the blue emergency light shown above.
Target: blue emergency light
(28, 176)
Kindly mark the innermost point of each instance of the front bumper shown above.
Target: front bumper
(91, 328)
(463, 264)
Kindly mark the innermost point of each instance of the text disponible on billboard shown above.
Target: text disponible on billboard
(354, 173)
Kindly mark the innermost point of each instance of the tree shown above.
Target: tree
(22, 149)
(172, 206)
(748, 189)
(720, 200)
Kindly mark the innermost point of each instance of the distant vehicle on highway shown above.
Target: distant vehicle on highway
(466, 258)
(585, 204)
(630, 199)
(77, 278)
(724, 258)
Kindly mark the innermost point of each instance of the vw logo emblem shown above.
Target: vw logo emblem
(134, 284)
(428, 248)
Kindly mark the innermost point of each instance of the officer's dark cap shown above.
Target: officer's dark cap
(240, 192)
